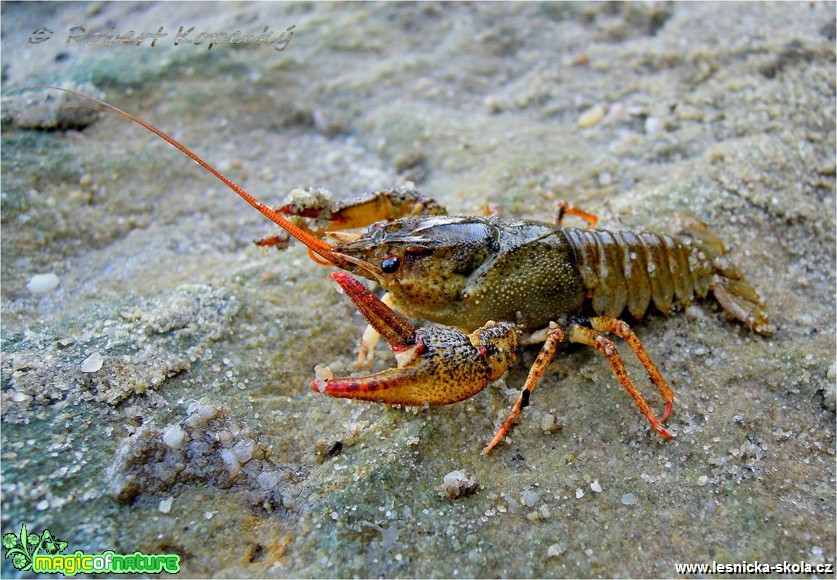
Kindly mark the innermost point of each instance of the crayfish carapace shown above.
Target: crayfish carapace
(493, 283)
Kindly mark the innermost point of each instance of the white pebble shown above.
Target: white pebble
(458, 483)
(702, 480)
(174, 436)
(629, 499)
(19, 397)
(207, 412)
(230, 461)
(617, 112)
(201, 414)
(42, 505)
(323, 374)
(92, 363)
(579, 494)
(596, 487)
(554, 550)
(268, 479)
(165, 505)
(42, 283)
(548, 423)
(243, 450)
(653, 125)
(529, 498)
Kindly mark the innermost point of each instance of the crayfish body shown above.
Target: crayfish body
(463, 271)
(494, 283)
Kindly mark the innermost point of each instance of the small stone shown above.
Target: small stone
(554, 550)
(529, 498)
(207, 412)
(711, 506)
(702, 480)
(629, 499)
(591, 116)
(605, 179)
(268, 479)
(92, 363)
(549, 423)
(243, 450)
(323, 375)
(42, 283)
(201, 414)
(457, 484)
(653, 125)
(230, 461)
(174, 436)
(617, 112)
(596, 487)
(579, 493)
(165, 505)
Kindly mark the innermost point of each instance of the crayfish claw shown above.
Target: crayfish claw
(326, 215)
(436, 366)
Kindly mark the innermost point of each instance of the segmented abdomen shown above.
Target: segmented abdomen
(631, 269)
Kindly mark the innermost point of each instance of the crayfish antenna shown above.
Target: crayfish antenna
(314, 244)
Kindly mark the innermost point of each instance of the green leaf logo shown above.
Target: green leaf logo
(24, 547)
(52, 545)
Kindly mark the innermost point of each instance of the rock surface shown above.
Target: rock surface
(199, 434)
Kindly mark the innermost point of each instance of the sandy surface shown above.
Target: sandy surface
(199, 436)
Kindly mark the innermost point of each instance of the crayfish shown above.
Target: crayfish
(490, 284)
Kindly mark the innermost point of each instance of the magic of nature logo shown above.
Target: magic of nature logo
(43, 554)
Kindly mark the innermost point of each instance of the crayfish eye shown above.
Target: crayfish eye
(390, 263)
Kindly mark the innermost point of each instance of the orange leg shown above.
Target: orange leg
(554, 337)
(592, 337)
(490, 209)
(563, 208)
(620, 328)
(279, 241)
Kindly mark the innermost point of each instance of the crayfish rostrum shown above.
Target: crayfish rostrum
(491, 283)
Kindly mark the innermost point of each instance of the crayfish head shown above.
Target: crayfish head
(425, 262)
